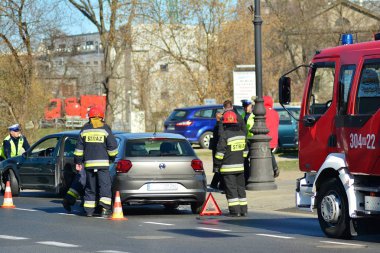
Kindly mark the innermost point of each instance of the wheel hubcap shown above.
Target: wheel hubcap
(331, 208)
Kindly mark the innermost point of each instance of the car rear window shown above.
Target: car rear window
(177, 115)
(158, 147)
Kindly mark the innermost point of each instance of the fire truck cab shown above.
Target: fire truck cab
(339, 137)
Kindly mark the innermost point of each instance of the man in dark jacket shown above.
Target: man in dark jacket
(231, 151)
(95, 148)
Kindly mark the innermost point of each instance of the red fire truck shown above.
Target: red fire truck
(70, 112)
(339, 136)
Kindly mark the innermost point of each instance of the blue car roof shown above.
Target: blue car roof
(199, 107)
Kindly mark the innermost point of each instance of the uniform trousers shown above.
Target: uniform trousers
(235, 193)
(98, 183)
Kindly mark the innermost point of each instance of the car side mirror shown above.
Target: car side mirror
(284, 90)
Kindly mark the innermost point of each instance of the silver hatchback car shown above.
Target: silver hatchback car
(160, 168)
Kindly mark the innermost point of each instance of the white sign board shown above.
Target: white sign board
(244, 85)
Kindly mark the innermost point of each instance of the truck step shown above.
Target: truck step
(367, 188)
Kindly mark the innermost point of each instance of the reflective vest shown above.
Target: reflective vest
(14, 152)
(249, 124)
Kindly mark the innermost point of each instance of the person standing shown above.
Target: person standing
(272, 122)
(216, 179)
(14, 144)
(249, 120)
(95, 148)
(230, 154)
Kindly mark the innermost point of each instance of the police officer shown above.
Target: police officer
(95, 148)
(14, 144)
(231, 151)
(249, 119)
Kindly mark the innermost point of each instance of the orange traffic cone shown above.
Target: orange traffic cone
(8, 202)
(117, 209)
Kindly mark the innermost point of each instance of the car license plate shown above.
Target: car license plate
(171, 128)
(162, 187)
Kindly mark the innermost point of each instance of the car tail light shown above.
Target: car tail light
(123, 166)
(184, 123)
(197, 165)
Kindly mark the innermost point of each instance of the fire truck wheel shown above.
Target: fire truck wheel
(332, 207)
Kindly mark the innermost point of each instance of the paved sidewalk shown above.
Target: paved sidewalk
(280, 200)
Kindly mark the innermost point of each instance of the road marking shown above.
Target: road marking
(276, 236)
(158, 223)
(69, 214)
(58, 244)
(214, 229)
(344, 243)
(9, 237)
(111, 251)
(29, 210)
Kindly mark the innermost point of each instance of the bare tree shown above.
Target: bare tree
(23, 23)
(113, 20)
(187, 35)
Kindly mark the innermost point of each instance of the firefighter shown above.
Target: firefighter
(249, 118)
(95, 148)
(14, 144)
(230, 154)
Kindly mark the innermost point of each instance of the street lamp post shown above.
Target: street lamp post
(261, 171)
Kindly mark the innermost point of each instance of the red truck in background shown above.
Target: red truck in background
(339, 137)
(70, 112)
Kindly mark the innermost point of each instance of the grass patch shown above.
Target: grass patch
(288, 164)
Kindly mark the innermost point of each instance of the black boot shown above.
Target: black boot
(66, 205)
(106, 213)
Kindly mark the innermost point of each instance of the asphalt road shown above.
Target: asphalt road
(39, 224)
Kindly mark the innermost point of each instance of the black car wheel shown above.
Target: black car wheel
(204, 140)
(332, 207)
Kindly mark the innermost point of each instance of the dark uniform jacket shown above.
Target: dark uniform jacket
(95, 147)
(231, 150)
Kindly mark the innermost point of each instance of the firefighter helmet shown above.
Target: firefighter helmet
(96, 111)
(229, 117)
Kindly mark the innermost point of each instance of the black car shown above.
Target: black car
(47, 165)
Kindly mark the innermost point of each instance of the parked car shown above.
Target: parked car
(288, 128)
(159, 168)
(195, 123)
(150, 168)
(46, 165)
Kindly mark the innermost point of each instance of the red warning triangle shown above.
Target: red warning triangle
(210, 207)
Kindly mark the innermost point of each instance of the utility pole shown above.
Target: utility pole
(261, 171)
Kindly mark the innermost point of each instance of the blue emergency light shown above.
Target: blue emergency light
(347, 39)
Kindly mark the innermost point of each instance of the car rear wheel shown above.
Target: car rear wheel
(196, 208)
(204, 140)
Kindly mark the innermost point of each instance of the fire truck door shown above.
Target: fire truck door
(359, 129)
(316, 126)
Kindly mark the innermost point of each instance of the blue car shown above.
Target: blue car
(288, 128)
(195, 123)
